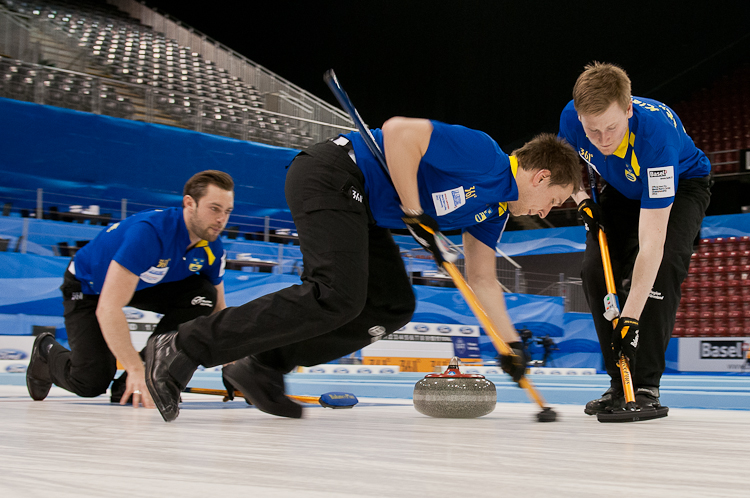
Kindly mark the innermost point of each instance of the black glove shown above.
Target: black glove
(625, 339)
(515, 364)
(591, 214)
(426, 231)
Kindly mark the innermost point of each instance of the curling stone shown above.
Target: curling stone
(454, 395)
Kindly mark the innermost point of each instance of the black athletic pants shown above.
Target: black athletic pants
(657, 320)
(354, 286)
(89, 366)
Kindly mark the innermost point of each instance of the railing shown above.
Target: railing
(292, 100)
(252, 241)
(38, 40)
(101, 95)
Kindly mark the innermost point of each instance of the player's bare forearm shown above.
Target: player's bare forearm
(652, 233)
(116, 333)
(481, 276)
(491, 297)
(117, 291)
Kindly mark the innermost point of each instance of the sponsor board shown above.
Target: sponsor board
(14, 367)
(412, 364)
(417, 346)
(561, 371)
(713, 354)
(496, 370)
(141, 320)
(438, 329)
(331, 368)
(15, 351)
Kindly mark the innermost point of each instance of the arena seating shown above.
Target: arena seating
(184, 87)
(718, 119)
(716, 295)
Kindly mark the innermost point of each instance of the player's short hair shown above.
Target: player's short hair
(548, 151)
(599, 85)
(198, 184)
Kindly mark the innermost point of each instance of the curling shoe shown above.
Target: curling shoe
(38, 380)
(612, 399)
(647, 397)
(262, 386)
(168, 371)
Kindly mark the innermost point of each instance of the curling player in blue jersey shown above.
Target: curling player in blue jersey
(355, 289)
(656, 192)
(169, 261)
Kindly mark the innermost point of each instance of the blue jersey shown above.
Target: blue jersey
(465, 182)
(655, 154)
(152, 245)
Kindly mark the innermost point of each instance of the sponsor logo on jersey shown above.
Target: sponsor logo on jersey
(449, 200)
(154, 275)
(163, 263)
(661, 182)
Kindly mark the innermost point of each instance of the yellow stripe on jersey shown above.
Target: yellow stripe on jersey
(209, 253)
(622, 149)
(635, 165)
(502, 208)
(513, 165)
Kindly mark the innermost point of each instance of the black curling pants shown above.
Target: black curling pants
(657, 320)
(89, 366)
(354, 287)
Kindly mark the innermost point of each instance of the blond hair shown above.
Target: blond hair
(598, 86)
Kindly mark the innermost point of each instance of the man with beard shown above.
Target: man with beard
(170, 261)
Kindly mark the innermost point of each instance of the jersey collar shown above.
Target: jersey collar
(622, 149)
(513, 165)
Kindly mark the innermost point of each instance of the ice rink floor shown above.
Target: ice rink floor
(73, 447)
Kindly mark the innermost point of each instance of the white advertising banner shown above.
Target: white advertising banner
(713, 354)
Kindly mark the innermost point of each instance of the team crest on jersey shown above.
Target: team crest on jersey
(630, 173)
(480, 217)
(196, 264)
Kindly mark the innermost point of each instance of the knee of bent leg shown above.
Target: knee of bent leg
(400, 313)
(398, 310)
(93, 387)
(346, 302)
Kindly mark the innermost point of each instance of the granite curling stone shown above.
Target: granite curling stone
(454, 395)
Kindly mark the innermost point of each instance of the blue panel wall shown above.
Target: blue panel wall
(78, 150)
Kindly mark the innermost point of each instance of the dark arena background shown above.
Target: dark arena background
(107, 107)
